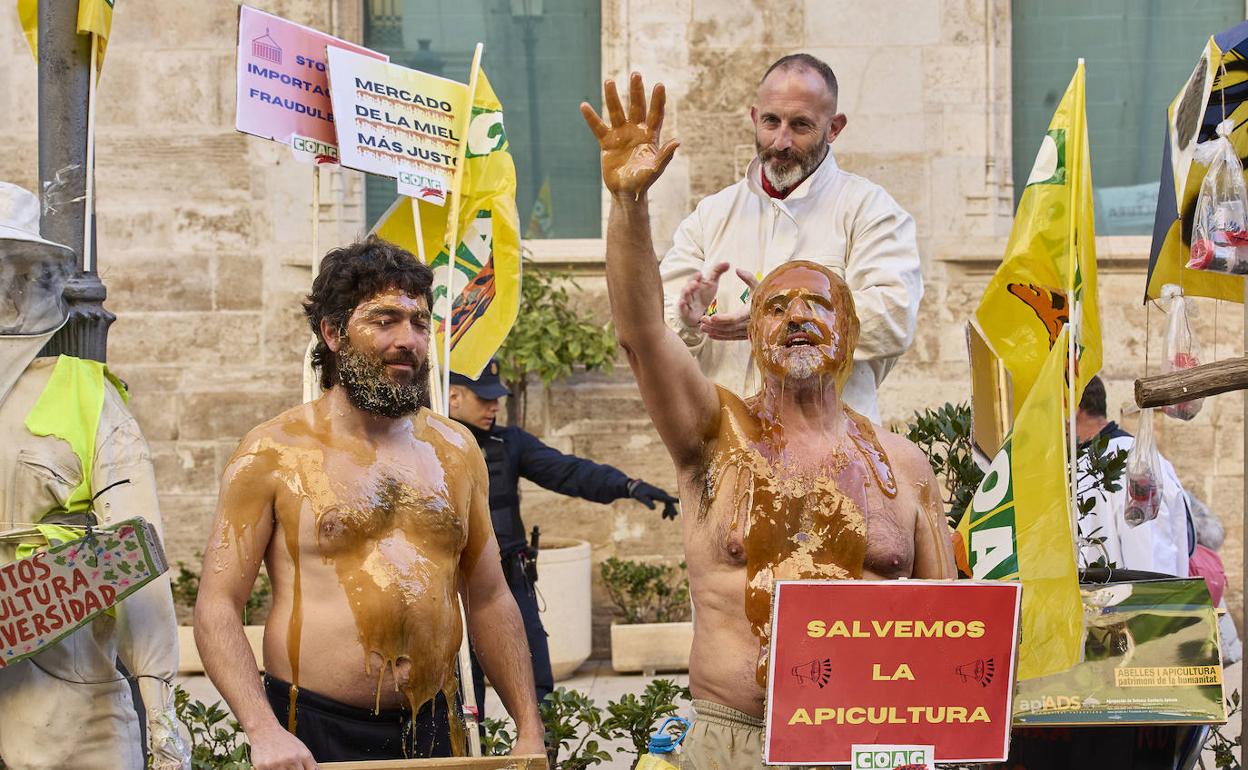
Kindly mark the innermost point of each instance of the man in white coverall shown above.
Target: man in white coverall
(68, 706)
(1161, 545)
(794, 203)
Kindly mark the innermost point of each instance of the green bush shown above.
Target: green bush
(185, 586)
(217, 740)
(944, 435)
(647, 593)
(576, 727)
(634, 718)
(549, 338)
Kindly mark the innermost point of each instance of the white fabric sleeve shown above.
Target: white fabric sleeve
(884, 272)
(683, 261)
(147, 631)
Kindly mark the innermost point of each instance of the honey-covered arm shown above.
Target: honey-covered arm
(681, 401)
(241, 530)
(494, 622)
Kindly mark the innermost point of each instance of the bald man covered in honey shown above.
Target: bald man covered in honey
(372, 516)
(787, 484)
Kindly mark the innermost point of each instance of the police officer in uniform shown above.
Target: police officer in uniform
(511, 453)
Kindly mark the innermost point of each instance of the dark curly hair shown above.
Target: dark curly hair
(1093, 400)
(350, 275)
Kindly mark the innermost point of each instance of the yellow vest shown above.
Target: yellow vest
(69, 408)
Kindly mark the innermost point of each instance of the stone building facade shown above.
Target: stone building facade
(205, 234)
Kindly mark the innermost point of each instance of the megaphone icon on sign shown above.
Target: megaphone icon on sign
(816, 671)
(979, 671)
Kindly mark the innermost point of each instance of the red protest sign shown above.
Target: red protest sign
(897, 662)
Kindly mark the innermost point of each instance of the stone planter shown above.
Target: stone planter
(188, 654)
(564, 597)
(651, 647)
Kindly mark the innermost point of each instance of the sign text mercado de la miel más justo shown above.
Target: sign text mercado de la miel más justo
(897, 662)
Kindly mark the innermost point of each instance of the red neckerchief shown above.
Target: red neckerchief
(771, 191)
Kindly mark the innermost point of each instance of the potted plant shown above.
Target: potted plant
(185, 587)
(654, 632)
(550, 338)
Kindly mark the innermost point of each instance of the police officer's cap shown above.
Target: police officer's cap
(487, 386)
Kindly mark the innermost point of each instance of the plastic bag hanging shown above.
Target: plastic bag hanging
(1144, 485)
(1219, 229)
(1181, 348)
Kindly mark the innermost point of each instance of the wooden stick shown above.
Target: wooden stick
(524, 762)
(452, 221)
(1189, 384)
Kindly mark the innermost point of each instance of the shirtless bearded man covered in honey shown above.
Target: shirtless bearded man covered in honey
(371, 514)
(787, 484)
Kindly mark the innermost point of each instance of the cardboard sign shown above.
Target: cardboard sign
(902, 662)
(283, 90)
(1151, 655)
(398, 122)
(49, 595)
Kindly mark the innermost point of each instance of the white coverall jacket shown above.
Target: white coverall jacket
(1159, 545)
(47, 723)
(834, 218)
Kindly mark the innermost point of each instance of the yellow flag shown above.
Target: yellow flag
(95, 17)
(486, 276)
(1218, 80)
(1018, 526)
(1050, 260)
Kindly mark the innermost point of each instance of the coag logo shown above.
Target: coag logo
(892, 757)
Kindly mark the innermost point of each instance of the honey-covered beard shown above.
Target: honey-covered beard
(370, 387)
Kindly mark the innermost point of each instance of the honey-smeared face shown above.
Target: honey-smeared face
(800, 324)
(383, 355)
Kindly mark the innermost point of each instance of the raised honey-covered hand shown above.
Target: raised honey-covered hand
(632, 158)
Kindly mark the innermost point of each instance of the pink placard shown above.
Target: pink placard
(283, 89)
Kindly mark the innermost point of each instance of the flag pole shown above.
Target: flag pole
(452, 242)
(1075, 168)
(316, 219)
(452, 226)
(88, 243)
(311, 389)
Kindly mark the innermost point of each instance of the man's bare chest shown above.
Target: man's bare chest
(812, 505)
(337, 503)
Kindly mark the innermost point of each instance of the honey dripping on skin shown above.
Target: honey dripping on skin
(798, 524)
(384, 635)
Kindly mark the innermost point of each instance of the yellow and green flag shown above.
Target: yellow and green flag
(95, 17)
(1018, 525)
(1050, 260)
(486, 276)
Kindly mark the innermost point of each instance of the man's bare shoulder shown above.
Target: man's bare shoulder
(293, 427)
(451, 431)
(909, 462)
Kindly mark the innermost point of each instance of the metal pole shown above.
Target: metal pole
(535, 139)
(64, 83)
